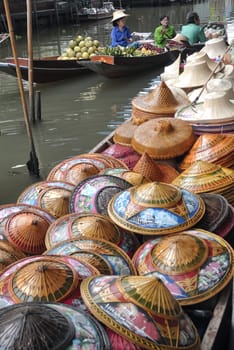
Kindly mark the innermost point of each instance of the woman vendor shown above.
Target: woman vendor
(163, 32)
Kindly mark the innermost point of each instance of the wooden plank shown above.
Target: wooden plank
(209, 340)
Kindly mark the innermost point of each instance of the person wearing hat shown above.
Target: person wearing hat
(192, 29)
(120, 34)
(163, 32)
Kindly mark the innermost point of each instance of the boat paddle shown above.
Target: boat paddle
(32, 163)
(209, 77)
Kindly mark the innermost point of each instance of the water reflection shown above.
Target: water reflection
(76, 114)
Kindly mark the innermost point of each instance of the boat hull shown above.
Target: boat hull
(119, 66)
(45, 70)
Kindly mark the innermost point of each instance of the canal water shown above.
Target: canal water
(78, 113)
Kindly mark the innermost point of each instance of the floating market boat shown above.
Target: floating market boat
(46, 69)
(119, 66)
(97, 13)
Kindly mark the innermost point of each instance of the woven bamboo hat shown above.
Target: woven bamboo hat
(202, 56)
(87, 225)
(194, 265)
(180, 38)
(9, 254)
(26, 231)
(203, 177)
(118, 14)
(133, 177)
(141, 309)
(216, 109)
(155, 208)
(33, 326)
(162, 101)
(88, 331)
(155, 171)
(215, 47)
(44, 279)
(93, 194)
(213, 148)
(123, 134)
(125, 153)
(195, 74)
(217, 211)
(61, 171)
(163, 138)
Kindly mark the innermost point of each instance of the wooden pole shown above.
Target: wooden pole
(30, 61)
(32, 164)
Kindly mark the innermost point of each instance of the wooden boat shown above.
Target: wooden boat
(119, 66)
(46, 69)
(94, 14)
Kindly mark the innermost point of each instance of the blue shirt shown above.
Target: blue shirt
(119, 37)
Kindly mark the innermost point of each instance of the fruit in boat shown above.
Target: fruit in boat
(85, 55)
(78, 46)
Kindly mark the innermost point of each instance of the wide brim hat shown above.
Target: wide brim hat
(93, 194)
(125, 153)
(156, 208)
(216, 84)
(118, 14)
(180, 38)
(215, 47)
(216, 109)
(140, 309)
(162, 101)
(203, 177)
(216, 212)
(163, 138)
(115, 257)
(35, 326)
(213, 148)
(92, 225)
(9, 254)
(202, 56)
(198, 256)
(195, 74)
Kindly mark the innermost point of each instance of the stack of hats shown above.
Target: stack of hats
(163, 138)
(214, 115)
(203, 177)
(213, 148)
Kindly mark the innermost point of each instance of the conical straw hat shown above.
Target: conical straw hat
(163, 138)
(155, 208)
(211, 148)
(195, 74)
(87, 225)
(27, 231)
(190, 264)
(44, 280)
(139, 308)
(215, 47)
(203, 177)
(202, 56)
(161, 101)
(133, 177)
(155, 171)
(33, 326)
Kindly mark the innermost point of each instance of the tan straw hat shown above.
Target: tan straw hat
(195, 74)
(180, 38)
(118, 14)
(215, 47)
